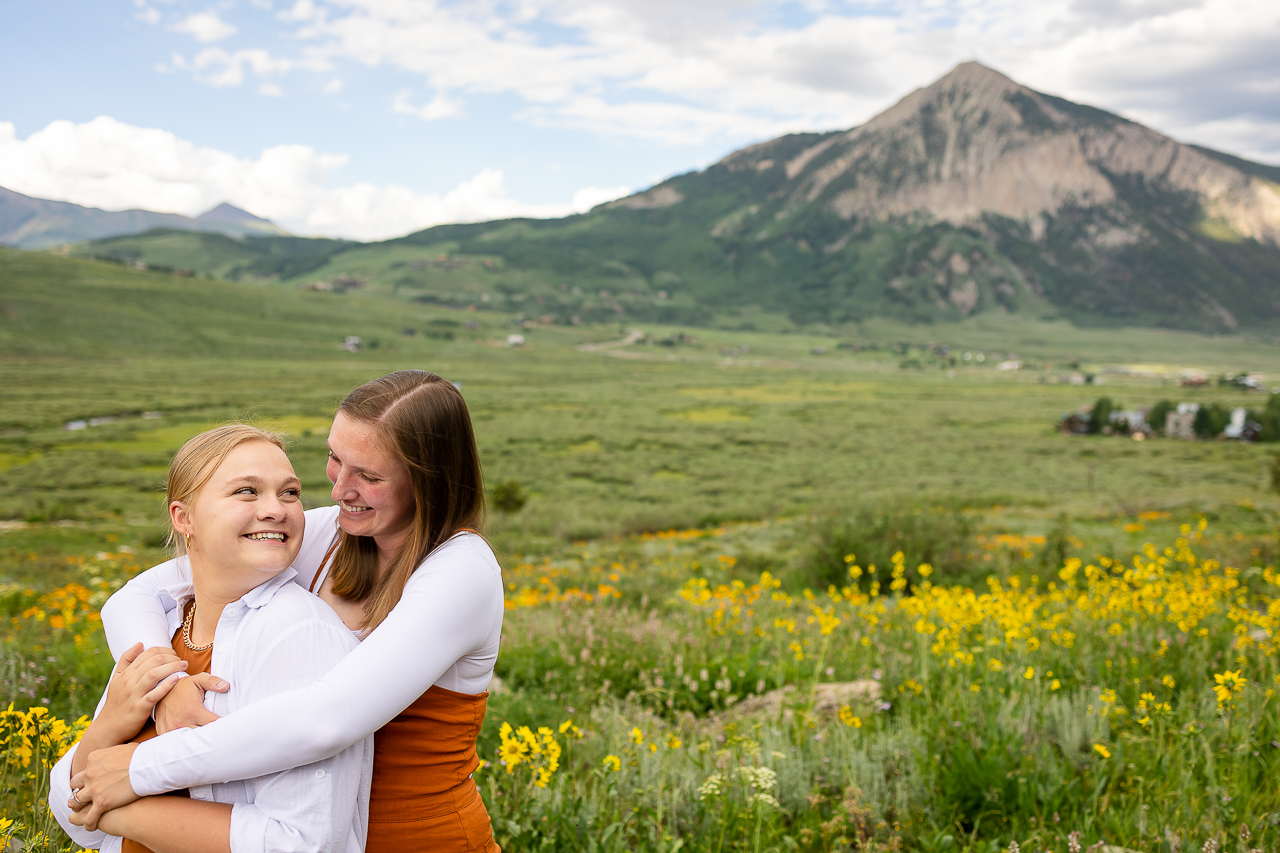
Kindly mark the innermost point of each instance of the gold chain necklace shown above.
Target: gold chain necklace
(186, 632)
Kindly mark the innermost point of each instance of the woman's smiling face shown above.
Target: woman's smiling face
(246, 521)
(371, 485)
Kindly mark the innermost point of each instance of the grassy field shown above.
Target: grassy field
(674, 571)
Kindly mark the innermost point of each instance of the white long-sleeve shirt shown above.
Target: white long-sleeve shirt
(444, 631)
(275, 638)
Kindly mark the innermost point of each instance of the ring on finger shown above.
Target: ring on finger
(75, 791)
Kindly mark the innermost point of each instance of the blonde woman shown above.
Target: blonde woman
(237, 520)
(401, 560)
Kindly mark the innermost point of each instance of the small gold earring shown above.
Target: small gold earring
(188, 541)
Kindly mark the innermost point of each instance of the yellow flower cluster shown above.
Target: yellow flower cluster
(730, 603)
(71, 608)
(36, 734)
(680, 535)
(1022, 545)
(538, 752)
(547, 592)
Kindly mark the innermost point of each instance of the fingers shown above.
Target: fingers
(161, 690)
(183, 706)
(130, 655)
(149, 679)
(209, 681)
(152, 657)
(90, 817)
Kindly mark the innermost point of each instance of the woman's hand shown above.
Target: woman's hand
(141, 679)
(183, 707)
(103, 785)
(114, 822)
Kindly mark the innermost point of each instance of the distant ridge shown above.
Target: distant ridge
(970, 196)
(34, 223)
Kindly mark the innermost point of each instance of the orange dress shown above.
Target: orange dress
(196, 662)
(423, 799)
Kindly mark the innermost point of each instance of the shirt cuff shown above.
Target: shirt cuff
(248, 829)
(140, 779)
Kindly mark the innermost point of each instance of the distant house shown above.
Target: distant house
(1241, 428)
(1179, 423)
(515, 340)
(351, 344)
(1075, 423)
(1130, 422)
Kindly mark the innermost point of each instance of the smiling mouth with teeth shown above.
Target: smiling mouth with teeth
(352, 508)
(277, 537)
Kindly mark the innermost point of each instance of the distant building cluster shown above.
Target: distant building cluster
(1180, 420)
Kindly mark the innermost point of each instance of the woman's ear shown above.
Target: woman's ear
(180, 515)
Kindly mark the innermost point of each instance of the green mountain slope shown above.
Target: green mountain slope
(973, 195)
(245, 258)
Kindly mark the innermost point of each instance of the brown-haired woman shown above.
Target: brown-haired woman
(406, 569)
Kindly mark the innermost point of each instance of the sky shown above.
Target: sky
(369, 119)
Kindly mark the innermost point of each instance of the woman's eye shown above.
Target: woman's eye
(293, 493)
(246, 490)
(369, 479)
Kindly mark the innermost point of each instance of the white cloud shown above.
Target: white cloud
(270, 90)
(148, 15)
(220, 68)
(441, 106)
(302, 10)
(108, 164)
(333, 87)
(205, 27)
(589, 197)
(680, 72)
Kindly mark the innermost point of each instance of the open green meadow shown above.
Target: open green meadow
(827, 589)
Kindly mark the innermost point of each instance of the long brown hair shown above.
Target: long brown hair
(423, 421)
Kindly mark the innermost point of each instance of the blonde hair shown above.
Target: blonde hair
(423, 421)
(195, 463)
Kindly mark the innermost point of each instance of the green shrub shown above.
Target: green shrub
(937, 535)
(1101, 416)
(1159, 413)
(1211, 419)
(507, 496)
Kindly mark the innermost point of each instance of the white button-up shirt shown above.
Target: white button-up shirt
(276, 638)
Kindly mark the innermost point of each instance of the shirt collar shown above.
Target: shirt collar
(182, 591)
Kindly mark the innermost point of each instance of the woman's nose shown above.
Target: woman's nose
(341, 487)
(271, 507)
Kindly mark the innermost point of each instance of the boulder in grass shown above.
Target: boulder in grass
(783, 702)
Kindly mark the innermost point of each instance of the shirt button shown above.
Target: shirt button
(319, 774)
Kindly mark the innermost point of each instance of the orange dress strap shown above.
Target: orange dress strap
(323, 563)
